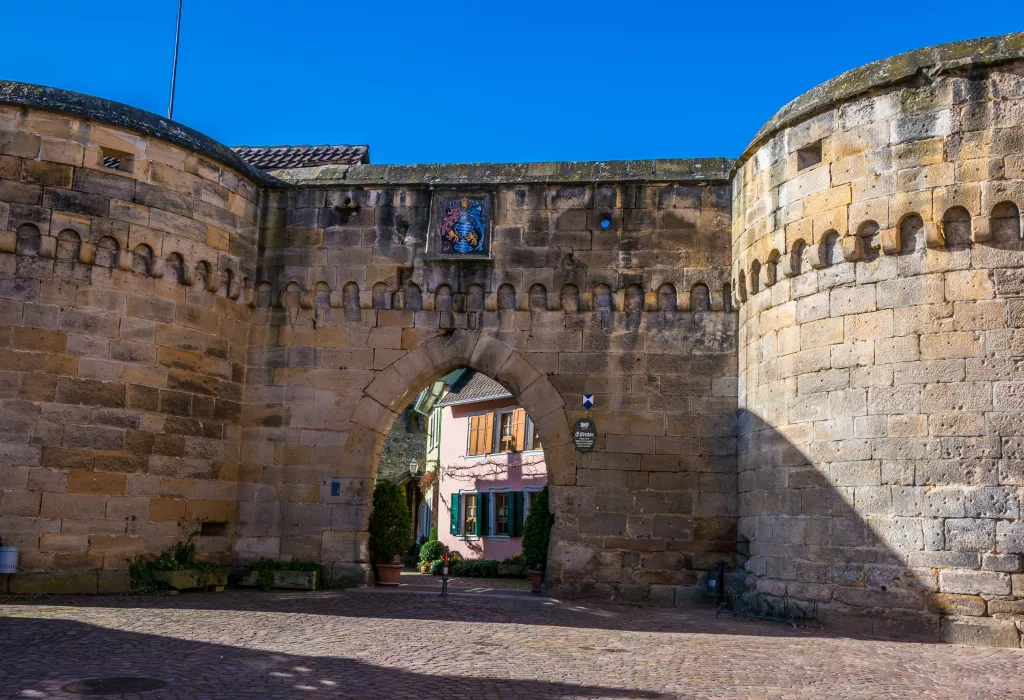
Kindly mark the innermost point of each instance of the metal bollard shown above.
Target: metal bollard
(444, 577)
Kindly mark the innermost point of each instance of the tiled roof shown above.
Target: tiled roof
(284, 157)
(473, 387)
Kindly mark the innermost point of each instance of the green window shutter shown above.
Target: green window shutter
(516, 516)
(482, 522)
(455, 514)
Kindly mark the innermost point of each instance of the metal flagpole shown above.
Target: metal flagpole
(174, 66)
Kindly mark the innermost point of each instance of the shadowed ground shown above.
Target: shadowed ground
(365, 644)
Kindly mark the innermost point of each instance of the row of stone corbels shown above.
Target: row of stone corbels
(751, 275)
(155, 267)
(570, 299)
(399, 383)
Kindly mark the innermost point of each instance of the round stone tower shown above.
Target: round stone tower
(126, 246)
(878, 267)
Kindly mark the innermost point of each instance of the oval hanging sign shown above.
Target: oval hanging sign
(584, 434)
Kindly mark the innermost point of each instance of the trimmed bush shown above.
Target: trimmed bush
(431, 551)
(476, 568)
(390, 526)
(537, 531)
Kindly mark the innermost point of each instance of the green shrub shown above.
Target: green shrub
(180, 557)
(537, 531)
(435, 567)
(514, 560)
(390, 526)
(433, 534)
(476, 568)
(432, 551)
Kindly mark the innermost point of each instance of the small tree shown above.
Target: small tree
(537, 531)
(390, 526)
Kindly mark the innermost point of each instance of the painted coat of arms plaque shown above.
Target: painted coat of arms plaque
(461, 225)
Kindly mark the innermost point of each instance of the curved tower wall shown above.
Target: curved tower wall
(879, 270)
(123, 261)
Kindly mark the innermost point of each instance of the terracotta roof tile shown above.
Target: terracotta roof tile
(284, 157)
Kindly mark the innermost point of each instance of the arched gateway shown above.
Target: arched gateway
(399, 383)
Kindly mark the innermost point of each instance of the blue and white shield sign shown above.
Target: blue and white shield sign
(588, 401)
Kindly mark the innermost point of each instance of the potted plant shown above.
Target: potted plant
(390, 531)
(536, 537)
(8, 559)
(430, 552)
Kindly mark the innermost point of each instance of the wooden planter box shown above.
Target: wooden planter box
(188, 579)
(291, 580)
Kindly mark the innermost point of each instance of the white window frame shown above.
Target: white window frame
(526, 501)
(496, 430)
(462, 512)
(492, 514)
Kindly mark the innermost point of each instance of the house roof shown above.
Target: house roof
(473, 387)
(285, 157)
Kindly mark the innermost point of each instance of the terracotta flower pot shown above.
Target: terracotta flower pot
(388, 574)
(536, 579)
(425, 569)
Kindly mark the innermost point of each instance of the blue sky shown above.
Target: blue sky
(424, 82)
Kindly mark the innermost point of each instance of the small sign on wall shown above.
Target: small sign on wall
(588, 401)
(584, 434)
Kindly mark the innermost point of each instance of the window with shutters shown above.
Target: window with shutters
(470, 513)
(510, 430)
(502, 515)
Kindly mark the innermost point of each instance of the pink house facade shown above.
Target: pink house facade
(489, 465)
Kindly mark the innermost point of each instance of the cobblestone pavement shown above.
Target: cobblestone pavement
(365, 644)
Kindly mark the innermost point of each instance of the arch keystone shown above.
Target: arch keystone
(459, 347)
(489, 355)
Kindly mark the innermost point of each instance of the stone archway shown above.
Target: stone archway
(394, 387)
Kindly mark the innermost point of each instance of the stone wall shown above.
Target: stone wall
(122, 344)
(353, 319)
(878, 259)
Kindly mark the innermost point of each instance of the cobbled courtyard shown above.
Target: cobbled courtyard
(375, 644)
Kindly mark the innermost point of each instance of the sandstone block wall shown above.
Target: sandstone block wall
(877, 254)
(122, 342)
(352, 319)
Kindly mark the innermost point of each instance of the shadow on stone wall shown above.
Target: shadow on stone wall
(866, 542)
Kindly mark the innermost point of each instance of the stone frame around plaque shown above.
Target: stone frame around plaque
(461, 225)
